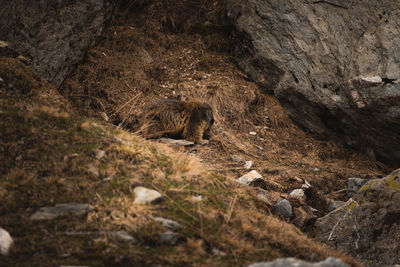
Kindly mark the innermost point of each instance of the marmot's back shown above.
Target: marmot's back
(176, 119)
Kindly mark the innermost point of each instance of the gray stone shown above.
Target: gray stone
(292, 262)
(324, 60)
(168, 224)
(169, 238)
(55, 34)
(367, 226)
(178, 142)
(48, 213)
(354, 184)
(6, 242)
(119, 235)
(144, 195)
(284, 208)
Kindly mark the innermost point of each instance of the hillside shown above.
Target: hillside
(78, 145)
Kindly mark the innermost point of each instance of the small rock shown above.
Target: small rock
(248, 164)
(354, 184)
(284, 208)
(237, 158)
(144, 195)
(292, 262)
(252, 133)
(6, 242)
(169, 238)
(48, 213)
(306, 185)
(249, 178)
(259, 147)
(197, 198)
(99, 153)
(168, 224)
(218, 252)
(119, 235)
(298, 193)
(93, 170)
(334, 204)
(263, 196)
(178, 142)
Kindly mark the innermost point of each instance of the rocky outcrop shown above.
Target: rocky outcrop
(291, 262)
(368, 225)
(54, 34)
(334, 65)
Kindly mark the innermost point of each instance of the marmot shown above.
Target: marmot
(177, 119)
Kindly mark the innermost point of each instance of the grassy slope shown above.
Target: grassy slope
(46, 150)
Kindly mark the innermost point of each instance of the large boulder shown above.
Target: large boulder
(368, 225)
(55, 34)
(334, 65)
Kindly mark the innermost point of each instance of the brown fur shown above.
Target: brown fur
(177, 119)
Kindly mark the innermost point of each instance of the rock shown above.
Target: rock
(291, 262)
(99, 153)
(259, 147)
(196, 198)
(6, 242)
(324, 61)
(168, 224)
(354, 184)
(367, 225)
(298, 193)
(248, 164)
(169, 238)
(263, 196)
(55, 34)
(237, 158)
(178, 142)
(93, 170)
(306, 185)
(48, 213)
(119, 235)
(145, 196)
(335, 204)
(284, 208)
(252, 178)
(252, 133)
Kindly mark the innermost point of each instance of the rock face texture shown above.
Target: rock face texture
(334, 65)
(54, 34)
(368, 225)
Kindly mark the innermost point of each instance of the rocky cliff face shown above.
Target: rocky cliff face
(54, 34)
(334, 65)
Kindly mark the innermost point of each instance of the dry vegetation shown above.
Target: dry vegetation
(47, 149)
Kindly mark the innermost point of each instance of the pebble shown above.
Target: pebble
(6, 242)
(252, 133)
(49, 213)
(178, 142)
(169, 238)
(119, 235)
(168, 224)
(248, 164)
(284, 208)
(249, 178)
(298, 193)
(144, 195)
(237, 158)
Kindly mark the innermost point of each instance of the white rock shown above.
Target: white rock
(252, 133)
(99, 153)
(249, 177)
(298, 193)
(5, 242)
(306, 185)
(168, 224)
(248, 164)
(197, 198)
(371, 79)
(144, 195)
(178, 142)
(259, 147)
